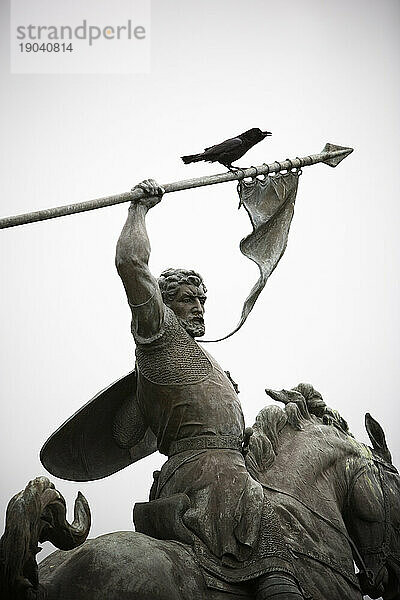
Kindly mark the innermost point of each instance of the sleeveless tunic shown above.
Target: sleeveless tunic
(183, 392)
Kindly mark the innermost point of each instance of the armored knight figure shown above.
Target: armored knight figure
(203, 494)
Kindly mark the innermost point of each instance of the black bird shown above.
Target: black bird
(230, 150)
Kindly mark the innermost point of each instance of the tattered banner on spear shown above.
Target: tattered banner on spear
(269, 203)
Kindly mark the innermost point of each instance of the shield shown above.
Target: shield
(84, 447)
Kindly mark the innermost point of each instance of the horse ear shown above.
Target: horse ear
(278, 396)
(377, 437)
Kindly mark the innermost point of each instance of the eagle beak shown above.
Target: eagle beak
(265, 133)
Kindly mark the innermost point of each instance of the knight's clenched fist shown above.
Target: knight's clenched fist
(153, 193)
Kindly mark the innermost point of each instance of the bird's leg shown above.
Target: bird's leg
(238, 168)
(236, 171)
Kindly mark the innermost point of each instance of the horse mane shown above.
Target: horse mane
(300, 402)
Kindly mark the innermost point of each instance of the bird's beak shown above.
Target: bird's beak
(265, 133)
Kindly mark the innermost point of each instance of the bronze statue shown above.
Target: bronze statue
(338, 501)
(274, 511)
(191, 406)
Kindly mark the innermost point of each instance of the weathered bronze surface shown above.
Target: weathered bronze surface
(85, 447)
(191, 406)
(337, 499)
(331, 155)
(281, 510)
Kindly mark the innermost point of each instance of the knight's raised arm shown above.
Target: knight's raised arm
(132, 257)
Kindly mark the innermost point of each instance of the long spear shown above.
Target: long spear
(331, 155)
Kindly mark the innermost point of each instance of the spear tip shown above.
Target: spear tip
(340, 153)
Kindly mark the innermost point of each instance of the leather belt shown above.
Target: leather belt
(206, 442)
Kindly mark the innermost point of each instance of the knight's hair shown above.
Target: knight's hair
(170, 280)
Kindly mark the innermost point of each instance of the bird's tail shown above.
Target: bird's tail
(192, 158)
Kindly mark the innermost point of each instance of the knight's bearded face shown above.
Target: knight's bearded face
(188, 305)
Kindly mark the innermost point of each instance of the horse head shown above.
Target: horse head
(332, 486)
(373, 518)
